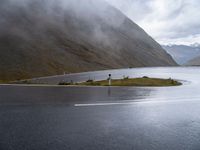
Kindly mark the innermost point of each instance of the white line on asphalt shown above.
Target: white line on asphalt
(146, 101)
(100, 104)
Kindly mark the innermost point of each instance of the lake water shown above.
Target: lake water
(60, 118)
(189, 76)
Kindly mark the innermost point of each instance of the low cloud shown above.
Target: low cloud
(167, 21)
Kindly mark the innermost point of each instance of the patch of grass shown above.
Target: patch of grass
(145, 81)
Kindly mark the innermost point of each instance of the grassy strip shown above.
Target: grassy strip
(145, 81)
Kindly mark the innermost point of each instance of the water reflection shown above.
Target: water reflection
(109, 91)
(140, 126)
(71, 95)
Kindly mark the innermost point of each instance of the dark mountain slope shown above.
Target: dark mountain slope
(48, 37)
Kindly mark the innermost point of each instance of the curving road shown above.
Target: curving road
(88, 118)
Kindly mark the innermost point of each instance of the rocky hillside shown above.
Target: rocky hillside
(194, 62)
(183, 53)
(48, 37)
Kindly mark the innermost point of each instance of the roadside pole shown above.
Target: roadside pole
(109, 80)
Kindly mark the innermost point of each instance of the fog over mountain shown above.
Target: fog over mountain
(48, 37)
(194, 62)
(168, 21)
(183, 53)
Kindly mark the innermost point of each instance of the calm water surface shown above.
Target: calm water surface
(88, 118)
(189, 76)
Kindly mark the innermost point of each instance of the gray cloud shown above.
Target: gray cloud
(168, 21)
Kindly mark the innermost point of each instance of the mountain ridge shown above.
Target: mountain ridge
(193, 62)
(42, 38)
(183, 53)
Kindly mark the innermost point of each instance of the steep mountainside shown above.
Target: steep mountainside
(183, 53)
(193, 62)
(48, 37)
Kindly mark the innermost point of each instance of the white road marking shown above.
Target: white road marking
(140, 101)
(100, 104)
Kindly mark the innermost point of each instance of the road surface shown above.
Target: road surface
(96, 118)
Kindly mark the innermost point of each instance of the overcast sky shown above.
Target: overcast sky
(167, 21)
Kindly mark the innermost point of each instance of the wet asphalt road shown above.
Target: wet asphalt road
(96, 118)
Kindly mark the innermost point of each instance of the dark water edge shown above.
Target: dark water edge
(48, 118)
